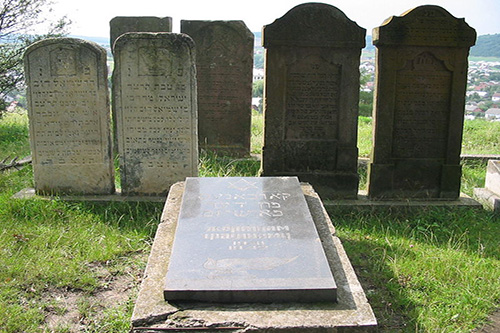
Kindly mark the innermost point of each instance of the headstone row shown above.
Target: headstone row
(168, 102)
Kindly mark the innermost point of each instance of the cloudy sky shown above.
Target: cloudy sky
(91, 17)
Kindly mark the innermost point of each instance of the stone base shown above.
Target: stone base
(490, 199)
(364, 203)
(29, 193)
(351, 312)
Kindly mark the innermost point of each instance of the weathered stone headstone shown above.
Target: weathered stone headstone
(490, 194)
(419, 104)
(247, 240)
(68, 109)
(224, 62)
(154, 85)
(123, 24)
(311, 98)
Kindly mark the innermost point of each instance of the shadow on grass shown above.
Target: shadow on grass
(397, 257)
(141, 217)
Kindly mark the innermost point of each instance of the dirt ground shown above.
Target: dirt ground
(77, 311)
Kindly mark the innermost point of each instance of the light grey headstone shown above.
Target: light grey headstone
(68, 109)
(224, 62)
(154, 86)
(247, 240)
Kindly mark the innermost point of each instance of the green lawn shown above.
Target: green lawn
(432, 271)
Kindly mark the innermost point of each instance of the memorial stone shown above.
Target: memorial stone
(247, 240)
(224, 62)
(69, 122)
(493, 176)
(490, 194)
(123, 24)
(154, 85)
(419, 104)
(311, 98)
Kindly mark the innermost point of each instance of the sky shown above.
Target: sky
(91, 17)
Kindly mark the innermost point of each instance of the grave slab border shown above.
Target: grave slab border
(351, 313)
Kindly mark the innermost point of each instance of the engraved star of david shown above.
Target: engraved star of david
(242, 185)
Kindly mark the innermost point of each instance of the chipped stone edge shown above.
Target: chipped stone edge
(490, 199)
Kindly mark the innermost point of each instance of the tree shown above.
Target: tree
(258, 88)
(18, 21)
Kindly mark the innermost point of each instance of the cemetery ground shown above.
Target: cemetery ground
(77, 267)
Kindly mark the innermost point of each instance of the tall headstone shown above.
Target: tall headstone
(154, 86)
(68, 109)
(224, 62)
(419, 104)
(311, 98)
(123, 24)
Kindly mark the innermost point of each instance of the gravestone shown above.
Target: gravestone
(224, 62)
(349, 312)
(154, 86)
(419, 104)
(247, 240)
(490, 194)
(69, 122)
(123, 24)
(311, 98)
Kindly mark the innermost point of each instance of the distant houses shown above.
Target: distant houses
(492, 114)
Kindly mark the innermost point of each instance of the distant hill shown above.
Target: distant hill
(486, 46)
(99, 40)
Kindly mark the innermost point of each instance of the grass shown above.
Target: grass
(431, 271)
(434, 271)
(481, 137)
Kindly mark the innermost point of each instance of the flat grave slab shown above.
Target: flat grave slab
(247, 240)
(351, 312)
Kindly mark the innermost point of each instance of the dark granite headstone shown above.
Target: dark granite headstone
(419, 105)
(224, 61)
(311, 98)
(247, 240)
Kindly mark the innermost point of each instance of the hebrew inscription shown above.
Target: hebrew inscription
(69, 116)
(311, 98)
(224, 52)
(312, 102)
(419, 105)
(156, 113)
(422, 108)
(250, 234)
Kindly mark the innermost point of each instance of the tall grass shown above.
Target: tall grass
(435, 270)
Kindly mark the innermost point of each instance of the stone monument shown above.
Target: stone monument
(123, 24)
(490, 194)
(419, 104)
(224, 62)
(241, 252)
(311, 98)
(154, 86)
(68, 110)
(255, 242)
